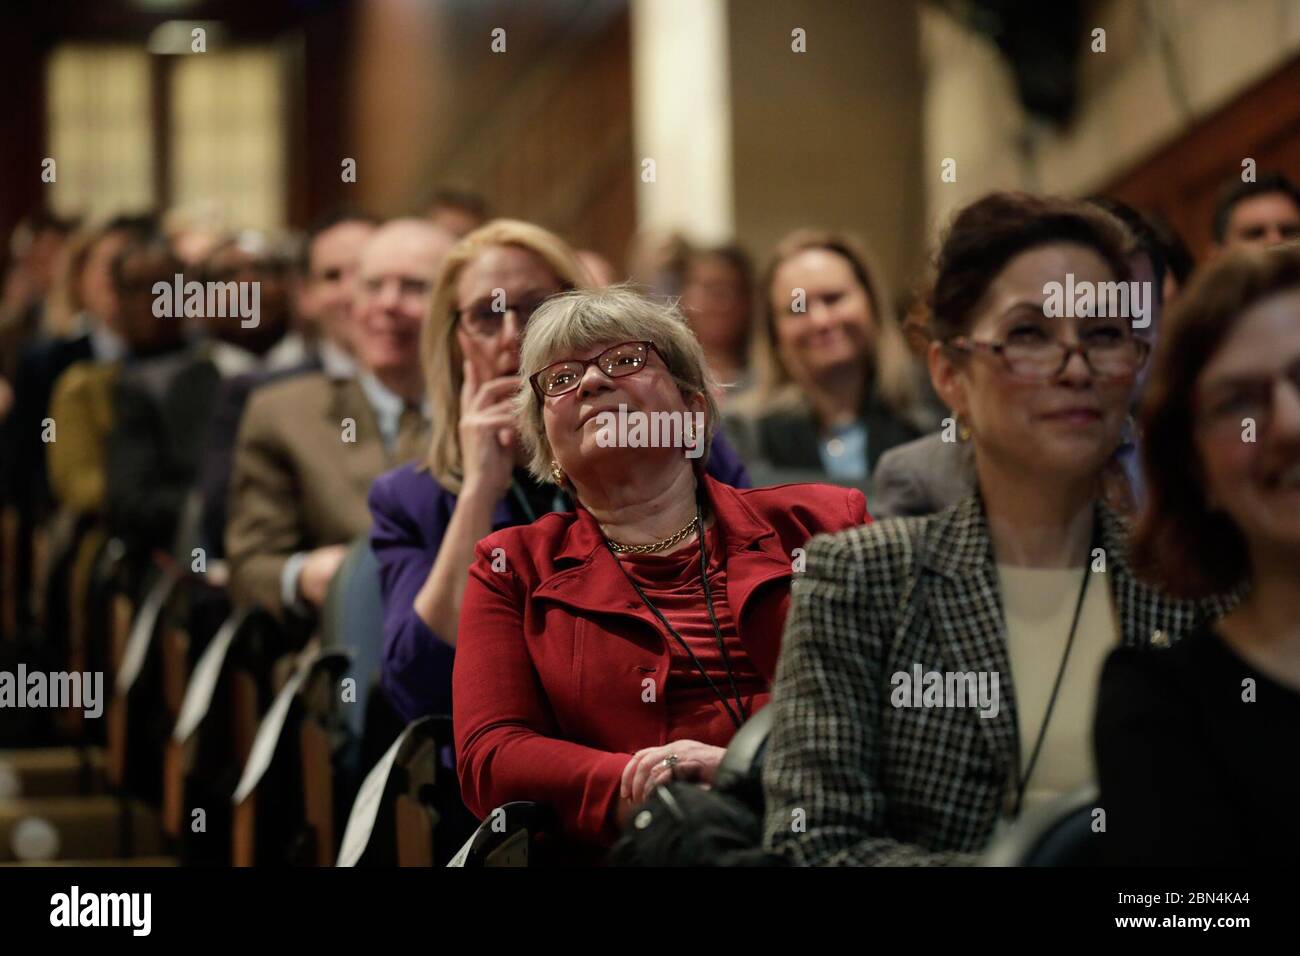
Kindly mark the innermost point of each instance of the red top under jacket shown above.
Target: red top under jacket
(553, 652)
(672, 583)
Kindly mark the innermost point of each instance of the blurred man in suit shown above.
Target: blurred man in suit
(1264, 212)
(90, 336)
(459, 211)
(324, 289)
(162, 405)
(310, 446)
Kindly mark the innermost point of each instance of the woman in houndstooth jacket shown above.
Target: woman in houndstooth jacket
(939, 674)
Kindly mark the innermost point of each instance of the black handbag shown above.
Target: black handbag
(683, 824)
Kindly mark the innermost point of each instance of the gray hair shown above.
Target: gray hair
(573, 323)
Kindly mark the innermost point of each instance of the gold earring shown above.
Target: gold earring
(556, 473)
(963, 430)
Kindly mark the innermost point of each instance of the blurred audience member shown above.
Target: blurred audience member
(718, 299)
(429, 516)
(325, 287)
(1196, 745)
(325, 292)
(310, 447)
(656, 261)
(82, 308)
(587, 671)
(1125, 486)
(881, 769)
(835, 386)
(1176, 255)
(238, 345)
(598, 268)
(458, 211)
(195, 231)
(35, 248)
(83, 405)
(162, 405)
(1264, 212)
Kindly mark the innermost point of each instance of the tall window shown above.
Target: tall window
(99, 130)
(217, 121)
(227, 137)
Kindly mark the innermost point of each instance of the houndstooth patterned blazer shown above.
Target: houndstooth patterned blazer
(851, 780)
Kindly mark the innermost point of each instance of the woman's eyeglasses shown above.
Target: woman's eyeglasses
(1225, 407)
(485, 321)
(622, 360)
(1110, 351)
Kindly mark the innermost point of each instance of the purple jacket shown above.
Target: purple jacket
(410, 513)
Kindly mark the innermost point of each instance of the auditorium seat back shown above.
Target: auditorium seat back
(352, 620)
(283, 803)
(1059, 833)
(514, 835)
(407, 811)
(740, 770)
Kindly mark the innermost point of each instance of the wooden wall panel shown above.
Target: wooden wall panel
(1182, 179)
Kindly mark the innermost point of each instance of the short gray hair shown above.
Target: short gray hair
(573, 323)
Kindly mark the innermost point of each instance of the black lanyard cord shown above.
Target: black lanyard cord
(713, 619)
(1056, 687)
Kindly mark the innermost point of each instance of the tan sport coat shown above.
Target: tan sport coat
(307, 451)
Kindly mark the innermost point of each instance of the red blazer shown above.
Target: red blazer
(552, 651)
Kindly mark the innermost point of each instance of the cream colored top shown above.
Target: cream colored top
(1038, 607)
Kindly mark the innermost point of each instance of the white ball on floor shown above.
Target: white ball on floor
(34, 839)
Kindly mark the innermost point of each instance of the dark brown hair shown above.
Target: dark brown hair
(993, 230)
(1180, 543)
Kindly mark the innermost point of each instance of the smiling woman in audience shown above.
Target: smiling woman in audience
(1019, 591)
(605, 650)
(834, 383)
(1196, 747)
(428, 516)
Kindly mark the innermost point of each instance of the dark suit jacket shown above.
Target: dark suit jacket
(548, 692)
(879, 785)
(218, 456)
(297, 484)
(411, 511)
(782, 445)
(161, 409)
(25, 481)
(921, 477)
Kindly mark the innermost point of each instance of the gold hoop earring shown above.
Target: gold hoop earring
(963, 430)
(556, 473)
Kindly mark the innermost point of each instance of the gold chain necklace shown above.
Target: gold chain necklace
(667, 542)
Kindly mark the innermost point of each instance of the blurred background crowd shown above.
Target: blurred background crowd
(170, 484)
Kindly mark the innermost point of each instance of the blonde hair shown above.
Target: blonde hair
(574, 323)
(891, 368)
(440, 353)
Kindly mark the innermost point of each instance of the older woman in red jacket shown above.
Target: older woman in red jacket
(595, 659)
